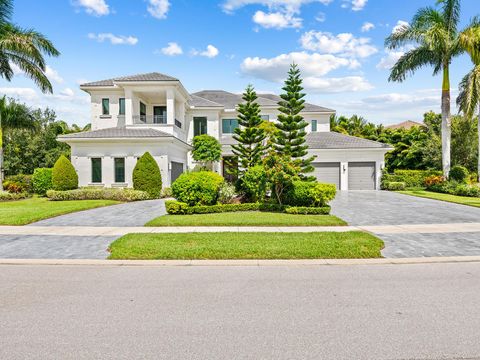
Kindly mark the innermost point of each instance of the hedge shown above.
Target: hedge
(64, 176)
(394, 186)
(310, 194)
(8, 196)
(147, 176)
(455, 188)
(42, 180)
(305, 210)
(197, 188)
(411, 178)
(124, 195)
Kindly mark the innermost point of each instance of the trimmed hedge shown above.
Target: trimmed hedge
(64, 176)
(197, 188)
(411, 178)
(42, 180)
(455, 188)
(310, 194)
(394, 186)
(305, 210)
(147, 176)
(8, 196)
(124, 195)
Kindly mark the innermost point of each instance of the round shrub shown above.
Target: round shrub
(147, 176)
(197, 188)
(310, 193)
(42, 180)
(64, 176)
(254, 183)
(459, 173)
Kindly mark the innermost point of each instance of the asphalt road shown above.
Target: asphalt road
(286, 312)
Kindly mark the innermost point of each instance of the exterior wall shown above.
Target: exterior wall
(100, 121)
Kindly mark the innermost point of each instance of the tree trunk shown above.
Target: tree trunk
(1, 155)
(446, 121)
(478, 130)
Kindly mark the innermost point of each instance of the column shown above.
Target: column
(170, 106)
(128, 107)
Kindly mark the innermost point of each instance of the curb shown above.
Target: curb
(309, 262)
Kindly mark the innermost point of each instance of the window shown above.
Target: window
(199, 126)
(121, 106)
(96, 170)
(143, 109)
(265, 117)
(119, 164)
(314, 125)
(229, 125)
(105, 107)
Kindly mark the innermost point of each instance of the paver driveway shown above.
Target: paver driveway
(388, 208)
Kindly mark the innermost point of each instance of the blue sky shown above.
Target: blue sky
(227, 44)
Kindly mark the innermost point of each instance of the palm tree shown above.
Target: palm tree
(14, 116)
(437, 40)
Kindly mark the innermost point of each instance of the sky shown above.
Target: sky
(228, 44)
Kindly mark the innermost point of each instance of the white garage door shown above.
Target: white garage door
(361, 176)
(328, 173)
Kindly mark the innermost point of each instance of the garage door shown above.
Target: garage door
(177, 170)
(361, 176)
(328, 173)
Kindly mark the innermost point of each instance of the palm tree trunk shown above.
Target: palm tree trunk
(478, 129)
(1, 154)
(446, 121)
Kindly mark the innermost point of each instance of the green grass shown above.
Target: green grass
(26, 211)
(317, 245)
(246, 218)
(464, 200)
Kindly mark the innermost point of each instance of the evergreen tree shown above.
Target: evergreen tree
(250, 148)
(289, 140)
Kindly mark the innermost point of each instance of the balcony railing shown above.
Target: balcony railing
(149, 119)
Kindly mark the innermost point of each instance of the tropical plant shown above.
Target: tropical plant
(147, 177)
(206, 150)
(281, 172)
(437, 40)
(253, 183)
(64, 176)
(42, 181)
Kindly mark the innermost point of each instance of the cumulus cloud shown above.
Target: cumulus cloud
(114, 39)
(276, 20)
(210, 52)
(367, 26)
(172, 49)
(321, 17)
(390, 59)
(337, 85)
(94, 7)
(400, 25)
(290, 5)
(355, 5)
(345, 44)
(52, 74)
(158, 8)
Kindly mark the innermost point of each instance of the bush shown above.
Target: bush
(64, 176)
(411, 178)
(303, 210)
(18, 183)
(434, 180)
(459, 174)
(147, 176)
(124, 195)
(253, 183)
(310, 193)
(226, 193)
(455, 188)
(8, 196)
(197, 188)
(394, 186)
(166, 193)
(42, 180)
(206, 150)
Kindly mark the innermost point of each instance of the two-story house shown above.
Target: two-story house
(153, 112)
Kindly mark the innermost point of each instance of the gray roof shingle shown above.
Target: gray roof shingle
(198, 101)
(153, 76)
(334, 140)
(117, 132)
(229, 100)
(308, 107)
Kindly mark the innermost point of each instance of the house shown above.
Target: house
(154, 112)
(407, 125)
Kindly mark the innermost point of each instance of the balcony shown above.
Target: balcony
(149, 119)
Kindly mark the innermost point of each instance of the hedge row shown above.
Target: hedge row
(125, 195)
(411, 178)
(455, 188)
(8, 196)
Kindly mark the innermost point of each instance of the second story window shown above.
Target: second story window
(229, 125)
(105, 106)
(314, 125)
(121, 106)
(199, 126)
(143, 109)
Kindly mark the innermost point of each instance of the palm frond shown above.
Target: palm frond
(469, 39)
(412, 61)
(32, 70)
(451, 13)
(6, 11)
(469, 92)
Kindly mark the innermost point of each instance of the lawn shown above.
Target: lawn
(23, 212)
(246, 218)
(315, 245)
(464, 200)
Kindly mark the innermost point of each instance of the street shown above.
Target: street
(422, 311)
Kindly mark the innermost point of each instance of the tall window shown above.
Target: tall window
(119, 170)
(96, 170)
(314, 125)
(199, 126)
(143, 109)
(121, 106)
(105, 107)
(229, 125)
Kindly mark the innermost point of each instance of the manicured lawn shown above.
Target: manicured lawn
(317, 245)
(23, 212)
(246, 218)
(464, 200)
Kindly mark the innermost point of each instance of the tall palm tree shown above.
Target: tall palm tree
(437, 40)
(24, 48)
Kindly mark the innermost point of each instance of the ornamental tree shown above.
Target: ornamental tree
(206, 150)
(147, 176)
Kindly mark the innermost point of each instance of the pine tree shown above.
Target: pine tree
(250, 148)
(289, 140)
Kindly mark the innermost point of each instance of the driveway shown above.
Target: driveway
(388, 208)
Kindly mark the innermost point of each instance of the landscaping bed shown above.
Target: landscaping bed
(463, 200)
(318, 245)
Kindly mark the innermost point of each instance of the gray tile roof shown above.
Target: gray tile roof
(153, 76)
(333, 140)
(117, 132)
(229, 100)
(198, 101)
(308, 107)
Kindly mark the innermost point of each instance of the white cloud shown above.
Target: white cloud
(67, 92)
(210, 52)
(276, 20)
(24, 94)
(289, 5)
(390, 59)
(367, 26)
(172, 49)
(321, 17)
(358, 5)
(337, 85)
(345, 44)
(400, 25)
(53, 75)
(114, 39)
(158, 8)
(94, 7)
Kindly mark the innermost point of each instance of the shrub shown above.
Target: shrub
(394, 186)
(166, 193)
(253, 183)
(18, 183)
(8, 196)
(310, 193)
(197, 188)
(42, 180)
(206, 150)
(433, 180)
(147, 176)
(64, 176)
(226, 193)
(459, 174)
(455, 188)
(124, 195)
(303, 210)
(411, 178)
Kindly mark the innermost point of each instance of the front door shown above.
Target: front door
(159, 114)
